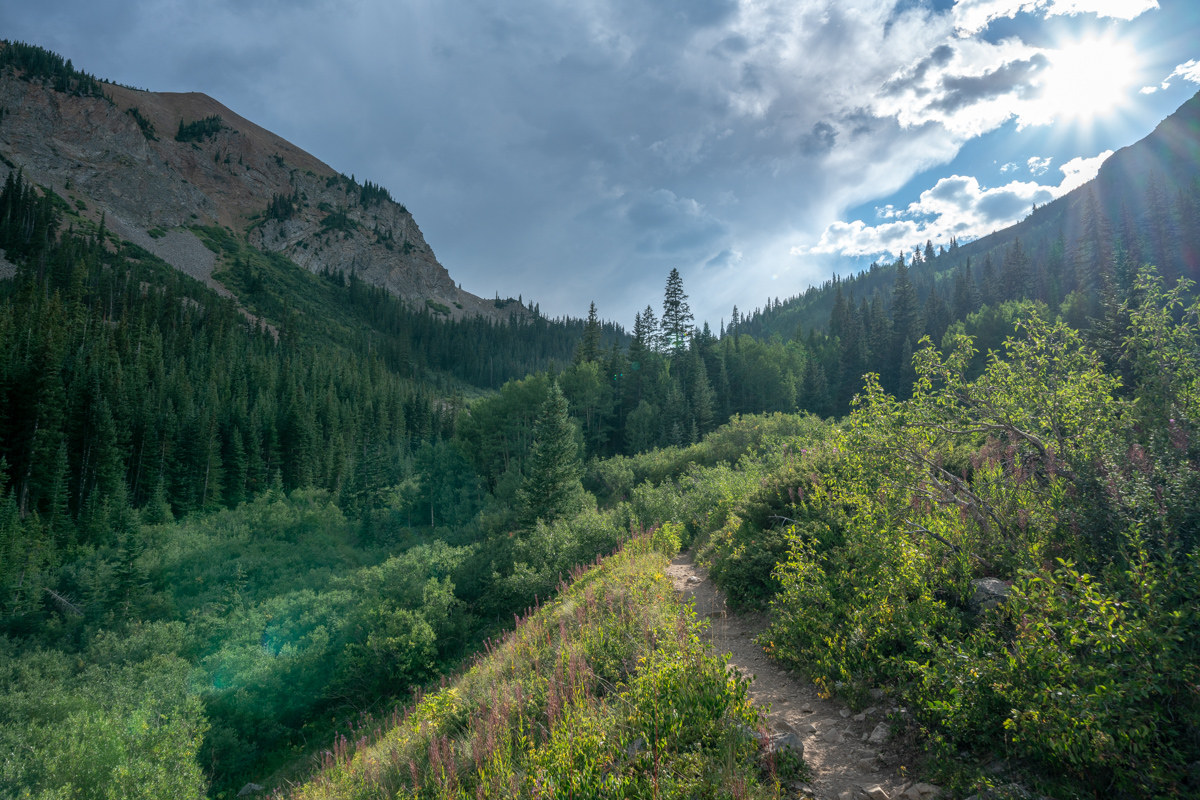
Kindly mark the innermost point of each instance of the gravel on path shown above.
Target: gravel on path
(843, 760)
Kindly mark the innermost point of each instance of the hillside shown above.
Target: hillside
(1145, 195)
(158, 163)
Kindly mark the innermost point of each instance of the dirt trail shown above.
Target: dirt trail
(845, 764)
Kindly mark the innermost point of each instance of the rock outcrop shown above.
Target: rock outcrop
(119, 156)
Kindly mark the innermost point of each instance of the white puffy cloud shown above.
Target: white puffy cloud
(956, 206)
(1188, 70)
(1038, 166)
(1009, 167)
(972, 16)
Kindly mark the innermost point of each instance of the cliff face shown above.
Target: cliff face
(97, 153)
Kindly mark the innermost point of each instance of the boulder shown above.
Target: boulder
(987, 594)
(249, 789)
(880, 734)
(786, 742)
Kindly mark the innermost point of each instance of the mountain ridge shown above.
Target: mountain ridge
(119, 156)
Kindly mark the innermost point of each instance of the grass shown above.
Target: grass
(609, 691)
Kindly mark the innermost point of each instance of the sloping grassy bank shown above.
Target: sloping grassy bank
(608, 691)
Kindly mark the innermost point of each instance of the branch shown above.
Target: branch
(64, 605)
(914, 526)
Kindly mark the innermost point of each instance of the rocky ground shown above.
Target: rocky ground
(850, 754)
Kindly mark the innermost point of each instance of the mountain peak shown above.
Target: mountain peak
(157, 164)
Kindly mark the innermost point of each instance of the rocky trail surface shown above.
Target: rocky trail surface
(847, 752)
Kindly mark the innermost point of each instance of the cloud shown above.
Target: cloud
(1188, 70)
(971, 87)
(666, 224)
(1009, 167)
(956, 206)
(972, 16)
(1038, 166)
(582, 149)
(1079, 171)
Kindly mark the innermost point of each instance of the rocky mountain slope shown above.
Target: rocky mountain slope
(122, 156)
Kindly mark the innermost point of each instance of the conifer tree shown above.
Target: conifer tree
(552, 488)
(906, 323)
(677, 316)
(966, 293)
(650, 337)
(589, 347)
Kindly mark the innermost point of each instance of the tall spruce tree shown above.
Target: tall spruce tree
(552, 488)
(589, 347)
(677, 316)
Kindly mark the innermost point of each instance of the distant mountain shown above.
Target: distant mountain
(1140, 208)
(159, 164)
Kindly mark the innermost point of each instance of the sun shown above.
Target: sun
(1086, 78)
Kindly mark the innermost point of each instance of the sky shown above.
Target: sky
(571, 151)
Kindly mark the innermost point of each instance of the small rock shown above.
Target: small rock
(876, 694)
(859, 717)
(786, 742)
(849, 794)
(832, 737)
(783, 726)
(868, 765)
(806, 709)
(869, 711)
(922, 791)
(862, 752)
(845, 712)
(876, 792)
(249, 789)
(880, 734)
(988, 593)
(693, 579)
(808, 727)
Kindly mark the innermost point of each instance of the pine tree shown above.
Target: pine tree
(650, 331)
(989, 283)
(966, 293)
(677, 316)
(906, 322)
(701, 397)
(1015, 278)
(552, 488)
(937, 316)
(589, 347)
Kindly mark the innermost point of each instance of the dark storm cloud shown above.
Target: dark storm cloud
(967, 90)
(913, 78)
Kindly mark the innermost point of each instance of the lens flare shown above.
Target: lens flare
(1086, 78)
